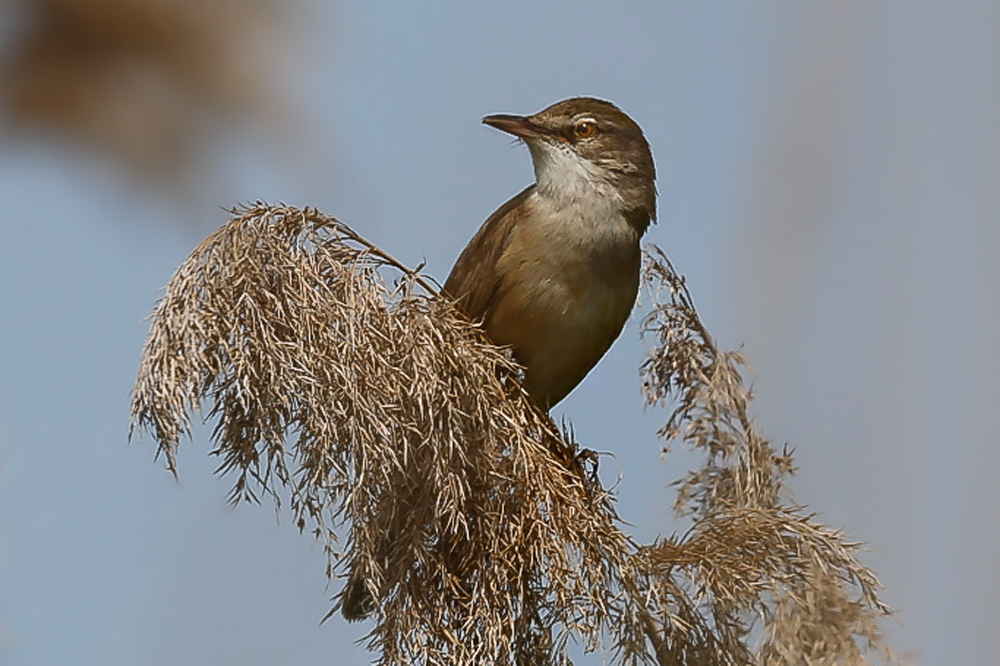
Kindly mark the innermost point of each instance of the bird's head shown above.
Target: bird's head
(582, 147)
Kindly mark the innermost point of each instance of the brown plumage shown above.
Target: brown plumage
(554, 272)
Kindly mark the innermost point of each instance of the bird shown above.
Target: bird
(554, 272)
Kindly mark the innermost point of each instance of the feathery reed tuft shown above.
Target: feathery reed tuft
(467, 521)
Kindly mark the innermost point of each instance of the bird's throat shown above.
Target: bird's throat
(562, 175)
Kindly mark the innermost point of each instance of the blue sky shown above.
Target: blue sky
(827, 178)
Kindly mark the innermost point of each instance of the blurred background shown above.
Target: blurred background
(828, 176)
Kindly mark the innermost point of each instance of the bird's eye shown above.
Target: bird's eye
(585, 129)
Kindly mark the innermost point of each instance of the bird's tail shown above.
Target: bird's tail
(357, 602)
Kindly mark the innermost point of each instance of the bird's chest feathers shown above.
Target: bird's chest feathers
(575, 261)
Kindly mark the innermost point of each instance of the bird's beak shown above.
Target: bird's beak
(519, 126)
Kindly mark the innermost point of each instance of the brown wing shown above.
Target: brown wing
(474, 281)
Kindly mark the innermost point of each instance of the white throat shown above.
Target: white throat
(562, 175)
(576, 201)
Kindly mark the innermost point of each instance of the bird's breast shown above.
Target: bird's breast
(570, 278)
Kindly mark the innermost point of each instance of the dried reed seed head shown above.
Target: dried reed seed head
(406, 427)
(390, 419)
